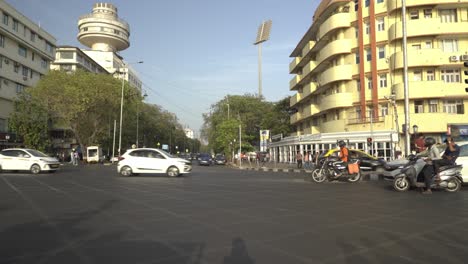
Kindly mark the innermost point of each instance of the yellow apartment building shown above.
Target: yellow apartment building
(349, 78)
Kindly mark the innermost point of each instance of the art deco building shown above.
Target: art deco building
(26, 51)
(348, 75)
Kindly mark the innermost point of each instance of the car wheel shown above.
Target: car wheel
(173, 171)
(126, 171)
(35, 169)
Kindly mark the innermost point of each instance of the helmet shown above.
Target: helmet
(341, 143)
(429, 141)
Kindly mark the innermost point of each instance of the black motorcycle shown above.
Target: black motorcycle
(331, 169)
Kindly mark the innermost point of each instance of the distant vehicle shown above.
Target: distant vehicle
(366, 161)
(205, 159)
(149, 160)
(27, 160)
(220, 159)
(94, 154)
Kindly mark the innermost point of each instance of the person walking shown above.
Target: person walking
(72, 157)
(307, 161)
(299, 160)
(76, 158)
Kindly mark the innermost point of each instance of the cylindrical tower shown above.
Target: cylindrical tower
(103, 29)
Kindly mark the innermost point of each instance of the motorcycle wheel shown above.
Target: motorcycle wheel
(355, 177)
(401, 184)
(453, 185)
(318, 176)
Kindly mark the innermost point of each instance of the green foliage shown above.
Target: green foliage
(252, 113)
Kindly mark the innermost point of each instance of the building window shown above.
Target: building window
(22, 51)
(3, 125)
(44, 63)
(15, 25)
(418, 107)
(454, 107)
(382, 52)
(66, 55)
(356, 30)
(368, 54)
(356, 5)
(380, 24)
(116, 32)
(33, 36)
(383, 110)
(450, 75)
(358, 85)
(417, 75)
(32, 56)
(357, 58)
(85, 29)
(48, 47)
(19, 88)
(16, 67)
(383, 80)
(414, 14)
(449, 45)
(6, 19)
(433, 106)
(367, 3)
(25, 71)
(428, 44)
(448, 15)
(367, 27)
(416, 46)
(379, 1)
(427, 13)
(2, 41)
(369, 83)
(358, 113)
(430, 75)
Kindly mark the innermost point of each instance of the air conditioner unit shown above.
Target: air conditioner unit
(453, 58)
(464, 57)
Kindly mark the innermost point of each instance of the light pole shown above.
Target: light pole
(263, 34)
(138, 103)
(415, 132)
(121, 105)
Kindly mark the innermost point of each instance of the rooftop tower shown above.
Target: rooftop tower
(103, 30)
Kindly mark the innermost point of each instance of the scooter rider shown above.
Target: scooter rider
(428, 171)
(344, 153)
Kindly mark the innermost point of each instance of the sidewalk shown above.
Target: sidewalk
(292, 167)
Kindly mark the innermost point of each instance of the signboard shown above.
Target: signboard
(277, 137)
(264, 138)
(165, 147)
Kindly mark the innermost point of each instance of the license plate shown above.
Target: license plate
(53, 166)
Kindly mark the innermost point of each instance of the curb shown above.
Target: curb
(367, 176)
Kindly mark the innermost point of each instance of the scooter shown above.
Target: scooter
(329, 166)
(411, 176)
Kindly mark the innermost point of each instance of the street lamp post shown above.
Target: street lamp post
(137, 139)
(121, 106)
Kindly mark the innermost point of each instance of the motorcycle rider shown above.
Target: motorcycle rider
(451, 153)
(433, 155)
(344, 153)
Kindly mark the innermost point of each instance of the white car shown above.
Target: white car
(149, 160)
(18, 159)
(463, 159)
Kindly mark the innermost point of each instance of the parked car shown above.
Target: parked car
(367, 161)
(19, 159)
(463, 160)
(220, 159)
(205, 159)
(150, 160)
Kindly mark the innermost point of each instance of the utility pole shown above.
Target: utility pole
(405, 78)
(263, 34)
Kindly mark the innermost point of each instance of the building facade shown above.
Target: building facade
(68, 58)
(349, 75)
(26, 51)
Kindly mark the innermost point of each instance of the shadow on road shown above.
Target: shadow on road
(239, 253)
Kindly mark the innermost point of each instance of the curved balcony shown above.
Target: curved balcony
(308, 47)
(426, 27)
(294, 99)
(338, 100)
(294, 81)
(337, 21)
(430, 89)
(393, 5)
(341, 46)
(422, 57)
(98, 28)
(333, 126)
(337, 73)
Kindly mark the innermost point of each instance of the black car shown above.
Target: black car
(220, 159)
(366, 161)
(205, 159)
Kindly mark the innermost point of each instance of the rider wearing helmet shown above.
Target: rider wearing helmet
(343, 151)
(428, 171)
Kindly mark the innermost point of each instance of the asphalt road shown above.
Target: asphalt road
(89, 214)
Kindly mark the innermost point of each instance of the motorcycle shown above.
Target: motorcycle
(411, 175)
(332, 168)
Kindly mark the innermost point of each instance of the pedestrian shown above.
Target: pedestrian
(307, 161)
(419, 144)
(299, 160)
(76, 158)
(72, 156)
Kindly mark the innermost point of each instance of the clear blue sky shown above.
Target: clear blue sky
(195, 52)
